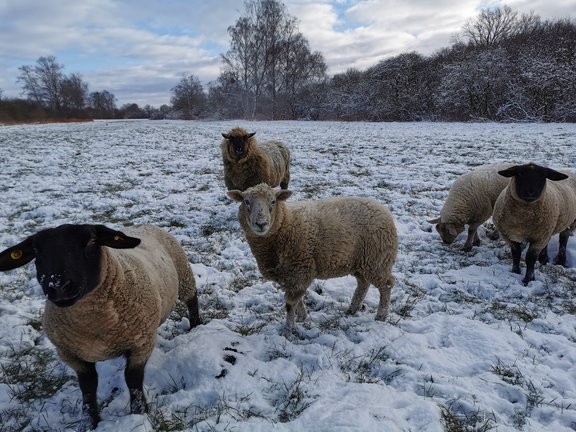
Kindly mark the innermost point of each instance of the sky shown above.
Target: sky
(140, 49)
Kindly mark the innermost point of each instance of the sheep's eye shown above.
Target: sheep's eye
(247, 202)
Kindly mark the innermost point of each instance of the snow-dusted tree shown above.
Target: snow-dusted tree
(225, 96)
(188, 97)
(401, 87)
(350, 95)
(476, 86)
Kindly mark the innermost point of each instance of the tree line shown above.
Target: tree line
(502, 66)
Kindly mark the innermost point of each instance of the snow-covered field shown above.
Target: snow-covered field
(467, 347)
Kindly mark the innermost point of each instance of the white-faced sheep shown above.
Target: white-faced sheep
(107, 292)
(248, 163)
(533, 209)
(470, 202)
(294, 243)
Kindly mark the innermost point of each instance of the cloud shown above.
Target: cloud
(140, 49)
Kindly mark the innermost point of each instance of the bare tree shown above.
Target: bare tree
(103, 103)
(260, 45)
(491, 27)
(242, 61)
(74, 93)
(42, 82)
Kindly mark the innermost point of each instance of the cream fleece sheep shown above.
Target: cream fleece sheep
(248, 163)
(532, 208)
(470, 202)
(294, 243)
(107, 293)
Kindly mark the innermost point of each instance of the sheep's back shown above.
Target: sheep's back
(345, 232)
(472, 196)
(566, 191)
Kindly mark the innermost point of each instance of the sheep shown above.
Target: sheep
(247, 163)
(106, 302)
(533, 209)
(470, 202)
(294, 243)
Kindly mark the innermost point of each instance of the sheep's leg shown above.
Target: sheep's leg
(516, 249)
(301, 312)
(134, 376)
(563, 242)
(531, 257)
(359, 295)
(543, 256)
(384, 304)
(88, 382)
(294, 306)
(472, 238)
(193, 311)
(290, 317)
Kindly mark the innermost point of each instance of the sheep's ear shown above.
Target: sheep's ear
(17, 256)
(555, 175)
(114, 239)
(236, 195)
(250, 135)
(283, 195)
(226, 136)
(452, 230)
(435, 221)
(509, 172)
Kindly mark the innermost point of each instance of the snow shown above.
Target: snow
(464, 335)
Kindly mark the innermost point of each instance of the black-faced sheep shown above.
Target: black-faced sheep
(107, 292)
(294, 243)
(248, 163)
(533, 209)
(470, 202)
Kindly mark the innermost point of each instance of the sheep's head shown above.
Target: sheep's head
(530, 180)
(448, 231)
(67, 258)
(238, 142)
(259, 205)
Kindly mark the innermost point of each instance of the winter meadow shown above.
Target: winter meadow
(467, 347)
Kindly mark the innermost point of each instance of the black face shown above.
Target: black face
(67, 263)
(238, 144)
(530, 183)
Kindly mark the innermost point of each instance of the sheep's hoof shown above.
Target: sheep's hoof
(467, 248)
(560, 260)
(351, 311)
(381, 316)
(89, 420)
(138, 403)
(527, 279)
(516, 270)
